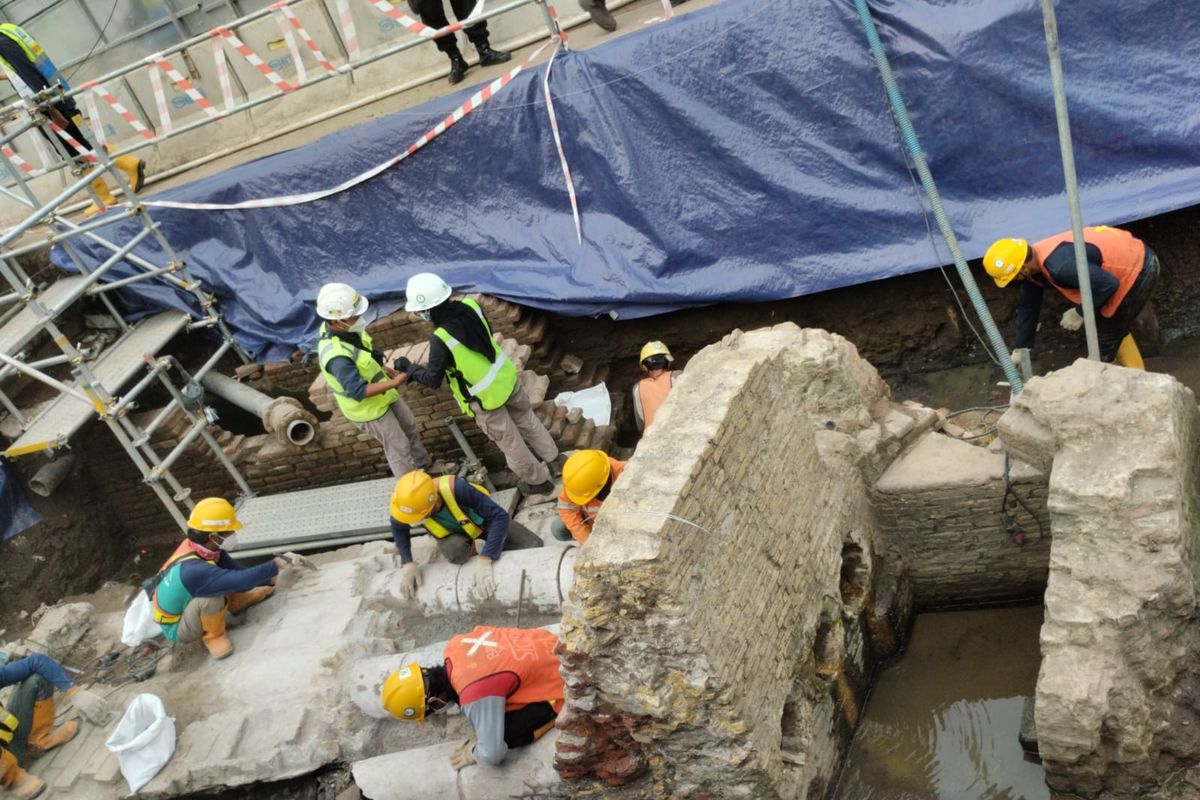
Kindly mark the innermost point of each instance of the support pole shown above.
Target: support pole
(1072, 183)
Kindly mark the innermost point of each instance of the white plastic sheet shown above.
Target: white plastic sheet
(143, 741)
(594, 402)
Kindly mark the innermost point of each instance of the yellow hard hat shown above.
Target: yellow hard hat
(1004, 259)
(584, 475)
(413, 498)
(403, 693)
(655, 349)
(214, 514)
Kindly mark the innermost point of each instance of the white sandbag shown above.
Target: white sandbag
(143, 741)
(139, 622)
(594, 402)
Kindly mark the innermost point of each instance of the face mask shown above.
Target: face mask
(359, 326)
(425, 315)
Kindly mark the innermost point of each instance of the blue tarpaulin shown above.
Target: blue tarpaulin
(15, 512)
(742, 152)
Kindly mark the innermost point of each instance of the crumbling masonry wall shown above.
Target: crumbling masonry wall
(1118, 695)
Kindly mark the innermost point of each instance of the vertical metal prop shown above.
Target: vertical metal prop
(1072, 183)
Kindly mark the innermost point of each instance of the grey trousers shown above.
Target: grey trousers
(20, 705)
(189, 628)
(458, 547)
(397, 431)
(519, 434)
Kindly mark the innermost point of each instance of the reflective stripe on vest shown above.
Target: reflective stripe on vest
(491, 382)
(8, 726)
(34, 52)
(330, 347)
(466, 524)
(527, 653)
(652, 392)
(1122, 254)
(170, 575)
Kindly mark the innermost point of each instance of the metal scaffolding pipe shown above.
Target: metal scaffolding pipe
(283, 417)
(47, 479)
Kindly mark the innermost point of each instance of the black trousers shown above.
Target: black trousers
(457, 548)
(522, 723)
(69, 112)
(433, 14)
(1111, 330)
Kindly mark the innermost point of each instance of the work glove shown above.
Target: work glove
(91, 705)
(482, 578)
(297, 560)
(1071, 320)
(463, 755)
(401, 364)
(410, 580)
(1019, 359)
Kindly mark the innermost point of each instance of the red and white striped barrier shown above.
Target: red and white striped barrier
(17, 161)
(75, 144)
(471, 104)
(158, 63)
(289, 17)
(420, 28)
(271, 75)
(221, 62)
(289, 39)
(562, 156)
(349, 31)
(668, 12)
(93, 112)
(118, 107)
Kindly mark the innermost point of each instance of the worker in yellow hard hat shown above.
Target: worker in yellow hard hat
(650, 392)
(1123, 272)
(506, 681)
(27, 718)
(588, 477)
(199, 584)
(456, 513)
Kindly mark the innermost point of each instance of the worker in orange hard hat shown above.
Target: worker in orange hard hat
(650, 392)
(1123, 271)
(506, 680)
(588, 477)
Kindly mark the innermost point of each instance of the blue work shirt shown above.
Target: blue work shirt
(495, 522)
(14, 672)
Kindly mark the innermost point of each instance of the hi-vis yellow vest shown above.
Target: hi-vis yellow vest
(467, 522)
(34, 52)
(369, 408)
(490, 381)
(8, 726)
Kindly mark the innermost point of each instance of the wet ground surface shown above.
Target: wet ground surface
(942, 723)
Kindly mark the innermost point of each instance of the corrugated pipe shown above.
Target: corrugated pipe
(935, 200)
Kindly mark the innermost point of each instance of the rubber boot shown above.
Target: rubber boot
(599, 14)
(101, 190)
(43, 735)
(458, 68)
(134, 169)
(240, 601)
(1128, 354)
(215, 640)
(488, 56)
(16, 781)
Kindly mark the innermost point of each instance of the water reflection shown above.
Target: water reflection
(942, 724)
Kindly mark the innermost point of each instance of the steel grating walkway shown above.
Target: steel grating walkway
(332, 516)
(19, 330)
(119, 362)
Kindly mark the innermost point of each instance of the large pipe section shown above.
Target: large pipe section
(47, 479)
(283, 417)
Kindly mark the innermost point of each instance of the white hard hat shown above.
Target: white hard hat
(339, 301)
(424, 291)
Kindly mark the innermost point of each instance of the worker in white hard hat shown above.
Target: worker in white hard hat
(199, 584)
(650, 392)
(362, 384)
(482, 379)
(27, 718)
(506, 680)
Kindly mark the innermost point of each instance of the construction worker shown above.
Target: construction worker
(598, 11)
(433, 14)
(456, 513)
(199, 584)
(588, 477)
(482, 379)
(363, 386)
(650, 392)
(1123, 271)
(27, 726)
(506, 680)
(30, 70)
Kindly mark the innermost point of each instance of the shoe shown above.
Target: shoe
(527, 489)
(488, 56)
(556, 466)
(134, 169)
(240, 601)
(599, 14)
(17, 782)
(458, 68)
(101, 190)
(215, 638)
(43, 736)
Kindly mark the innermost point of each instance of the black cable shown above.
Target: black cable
(1009, 521)
(95, 44)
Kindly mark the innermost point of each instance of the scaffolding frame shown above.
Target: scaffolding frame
(33, 309)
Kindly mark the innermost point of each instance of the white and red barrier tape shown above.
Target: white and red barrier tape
(289, 17)
(562, 155)
(349, 32)
(158, 63)
(271, 75)
(75, 144)
(289, 39)
(117, 106)
(17, 161)
(93, 112)
(668, 12)
(418, 27)
(471, 104)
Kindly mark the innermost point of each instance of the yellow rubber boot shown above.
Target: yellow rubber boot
(215, 638)
(240, 601)
(16, 781)
(43, 735)
(1128, 354)
(134, 169)
(101, 190)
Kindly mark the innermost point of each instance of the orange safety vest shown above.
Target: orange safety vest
(182, 553)
(526, 653)
(1123, 256)
(591, 508)
(651, 394)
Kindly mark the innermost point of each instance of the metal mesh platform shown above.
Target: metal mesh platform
(120, 362)
(331, 516)
(25, 325)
